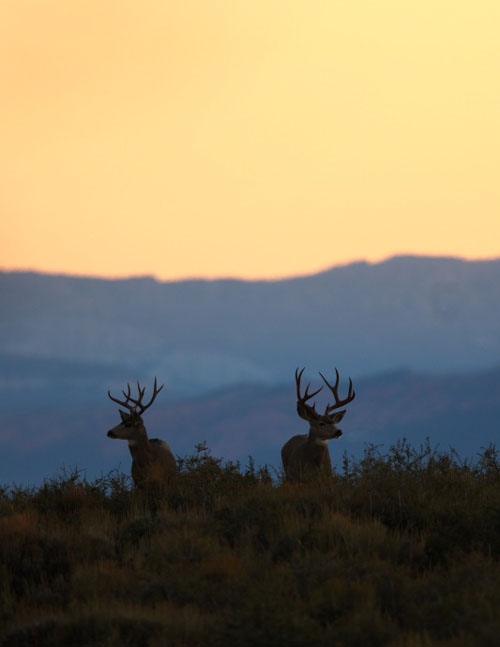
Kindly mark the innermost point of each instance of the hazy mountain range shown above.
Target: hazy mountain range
(431, 314)
(225, 349)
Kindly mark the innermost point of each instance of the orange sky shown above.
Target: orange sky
(252, 138)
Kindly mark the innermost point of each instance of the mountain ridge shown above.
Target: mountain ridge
(394, 258)
(436, 314)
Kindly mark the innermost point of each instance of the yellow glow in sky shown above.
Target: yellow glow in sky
(252, 138)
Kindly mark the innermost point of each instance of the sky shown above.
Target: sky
(246, 138)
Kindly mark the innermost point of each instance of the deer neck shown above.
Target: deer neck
(139, 446)
(315, 441)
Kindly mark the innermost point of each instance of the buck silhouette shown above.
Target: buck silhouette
(307, 454)
(153, 464)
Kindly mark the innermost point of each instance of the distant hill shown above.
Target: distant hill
(460, 410)
(426, 314)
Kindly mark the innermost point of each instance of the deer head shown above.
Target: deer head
(132, 427)
(322, 425)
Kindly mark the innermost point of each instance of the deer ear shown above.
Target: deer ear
(123, 415)
(303, 412)
(337, 417)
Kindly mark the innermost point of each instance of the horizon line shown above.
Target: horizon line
(249, 279)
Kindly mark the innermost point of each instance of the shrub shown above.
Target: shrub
(400, 548)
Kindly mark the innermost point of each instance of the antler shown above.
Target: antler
(302, 399)
(335, 390)
(125, 403)
(137, 403)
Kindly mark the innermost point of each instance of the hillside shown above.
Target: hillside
(399, 550)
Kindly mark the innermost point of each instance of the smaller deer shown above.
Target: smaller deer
(153, 464)
(308, 453)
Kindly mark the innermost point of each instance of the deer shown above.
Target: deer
(307, 454)
(153, 463)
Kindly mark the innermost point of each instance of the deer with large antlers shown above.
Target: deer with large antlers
(153, 464)
(308, 453)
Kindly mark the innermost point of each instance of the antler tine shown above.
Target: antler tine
(120, 402)
(127, 395)
(298, 375)
(156, 390)
(335, 390)
(302, 399)
(141, 393)
(307, 395)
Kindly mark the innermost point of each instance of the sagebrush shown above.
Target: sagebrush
(398, 549)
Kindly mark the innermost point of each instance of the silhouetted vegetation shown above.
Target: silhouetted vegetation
(398, 549)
